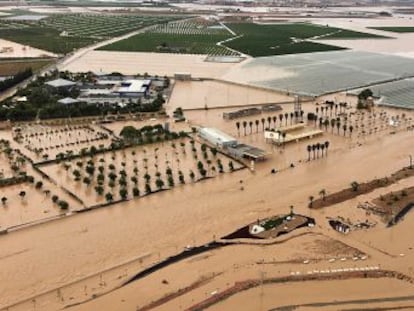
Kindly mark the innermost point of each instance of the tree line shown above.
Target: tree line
(16, 79)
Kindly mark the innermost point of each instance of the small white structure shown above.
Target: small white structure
(61, 83)
(68, 101)
(256, 229)
(217, 137)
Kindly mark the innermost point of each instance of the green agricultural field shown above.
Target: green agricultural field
(401, 29)
(64, 33)
(264, 40)
(201, 37)
(196, 36)
(45, 38)
(171, 43)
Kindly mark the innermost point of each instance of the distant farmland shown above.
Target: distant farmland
(400, 29)
(256, 40)
(197, 36)
(264, 40)
(63, 33)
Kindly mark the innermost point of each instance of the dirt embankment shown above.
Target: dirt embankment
(357, 189)
(248, 284)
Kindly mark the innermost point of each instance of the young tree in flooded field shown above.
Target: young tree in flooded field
(123, 193)
(22, 194)
(148, 189)
(135, 192)
(109, 197)
(99, 190)
(192, 175)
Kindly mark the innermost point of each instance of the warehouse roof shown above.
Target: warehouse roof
(217, 133)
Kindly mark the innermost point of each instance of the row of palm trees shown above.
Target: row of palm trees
(314, 150)
(331, 109)
(282, 118)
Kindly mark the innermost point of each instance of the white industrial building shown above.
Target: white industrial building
(230, 145)
(132, 88)
(216, 137)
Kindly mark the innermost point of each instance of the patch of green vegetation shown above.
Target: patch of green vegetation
(64, 33)
(397, 29)
(350, 34)
(252, 39)
(45, 38)
(264, 40)
(273, 223)
(171, 43)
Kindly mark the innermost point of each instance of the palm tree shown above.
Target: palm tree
(326, 146)
(318, 147)
(281, 119)
(354, 186)
(322, 193)
(322, 148)
(244, 127)
(338, 126)
(263, 120)
(310, 200)
(313, 150)
(238, 128)
(333, 124)
(269, 119)
(309, 149)
(274, 118)
(286, 118)
(3, 200)
(344, 127)
(291, 117)
(351, 128)
(257, 122)
(251, 125)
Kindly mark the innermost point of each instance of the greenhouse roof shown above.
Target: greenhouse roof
(321, 73)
